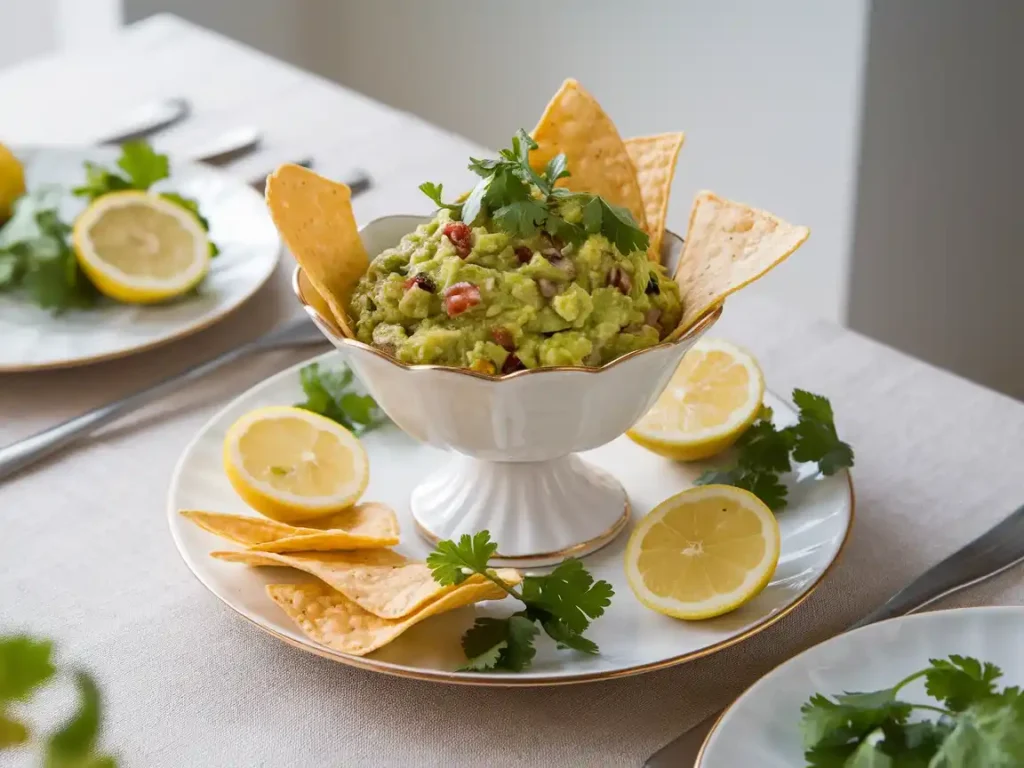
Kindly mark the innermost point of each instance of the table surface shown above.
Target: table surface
(88, 559)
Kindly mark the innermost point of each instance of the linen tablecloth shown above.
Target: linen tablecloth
(87, 558)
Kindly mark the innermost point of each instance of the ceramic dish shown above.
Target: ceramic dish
(514, 468)
(35, 339)
(632, 638)
(762, 727)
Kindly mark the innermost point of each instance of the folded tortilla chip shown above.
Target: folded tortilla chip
(728, 245)
(574, 124)
(379, 581)
(331, 619)
(365, 526)
(315, 219)
(654, 158)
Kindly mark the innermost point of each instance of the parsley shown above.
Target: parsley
(333, 393)
(523, 201)
(563, 603)
(41, 262)
(25, 667)
(977, 725)
(141, 167)
(764, 452)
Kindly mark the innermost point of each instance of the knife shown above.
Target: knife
(149, 119)
(991, 553)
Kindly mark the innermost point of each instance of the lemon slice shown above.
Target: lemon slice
(703, 552)
(12, 181)
(714, 395)
(293, 465)
(140, 248)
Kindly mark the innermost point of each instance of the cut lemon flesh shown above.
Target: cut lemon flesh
(293, 465)
(703, 552)
(714, 395)
(140, 248)
(12, 181)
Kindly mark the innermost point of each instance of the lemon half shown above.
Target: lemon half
(714, 395)
(140, 248)
(703, 552)
(12, 182)
(293, 465)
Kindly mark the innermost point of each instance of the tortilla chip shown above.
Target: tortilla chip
(329, 618)
(365, 526)
(380, 581)
(315, 219)
(575, 124)
(728, 245)
(654, 158)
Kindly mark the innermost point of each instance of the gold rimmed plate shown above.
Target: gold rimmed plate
(632, 638)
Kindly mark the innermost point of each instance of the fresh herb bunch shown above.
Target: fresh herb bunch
(977, 725)
(143, 167)
(764, 452)
(25, 667)
(40, 260)
(563, 603)
(333, 393)
(522, 201)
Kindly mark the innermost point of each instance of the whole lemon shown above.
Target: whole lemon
(12, 181)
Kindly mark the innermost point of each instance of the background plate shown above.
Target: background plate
(762, 727)
(632, 638)
(32, 338)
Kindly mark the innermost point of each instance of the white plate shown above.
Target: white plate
(632, 638)
(762, 727)
(32, 338)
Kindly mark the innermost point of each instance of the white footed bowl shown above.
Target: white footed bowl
(513, 438)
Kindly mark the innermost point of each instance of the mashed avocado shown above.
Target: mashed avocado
(480, 298)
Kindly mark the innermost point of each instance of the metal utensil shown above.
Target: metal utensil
(1001, 547)
(19, 455)
(357, 180)
(148, 119)
(228, 147)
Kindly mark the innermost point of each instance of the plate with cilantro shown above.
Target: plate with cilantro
(52, 316)
(577, 622)
(935, 690)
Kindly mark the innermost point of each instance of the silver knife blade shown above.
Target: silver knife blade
(227, 147)
(149, 119)
(996, 550)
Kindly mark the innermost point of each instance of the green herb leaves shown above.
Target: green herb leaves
(42, 262)
(764, 452)
(334, 394)
(26, 666)
(978, 726)
(563, 603)
(523, 202)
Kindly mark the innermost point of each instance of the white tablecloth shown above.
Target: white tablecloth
(87, 559)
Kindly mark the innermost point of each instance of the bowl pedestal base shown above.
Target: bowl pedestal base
(539, 513)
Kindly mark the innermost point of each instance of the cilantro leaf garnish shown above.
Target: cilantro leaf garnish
(73, 746)
(142, 167)
(25, 664)
(563, 603)
(333, 393)
(764, 452)
(978, 726)
(522, 201)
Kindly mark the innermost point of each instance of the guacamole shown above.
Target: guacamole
(480, 298)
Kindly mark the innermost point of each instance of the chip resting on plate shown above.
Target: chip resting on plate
(728, 245)
(331, 619)
(575, 125)
(380, 581)
(315, 219)
(654, 158)
(364, 526)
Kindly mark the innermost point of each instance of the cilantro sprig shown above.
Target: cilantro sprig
(764, 452)
(141, 167)
(976, 725)
(561, 603)
(38, 259)
(333, 393)
(522, 201)
(26, 666)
